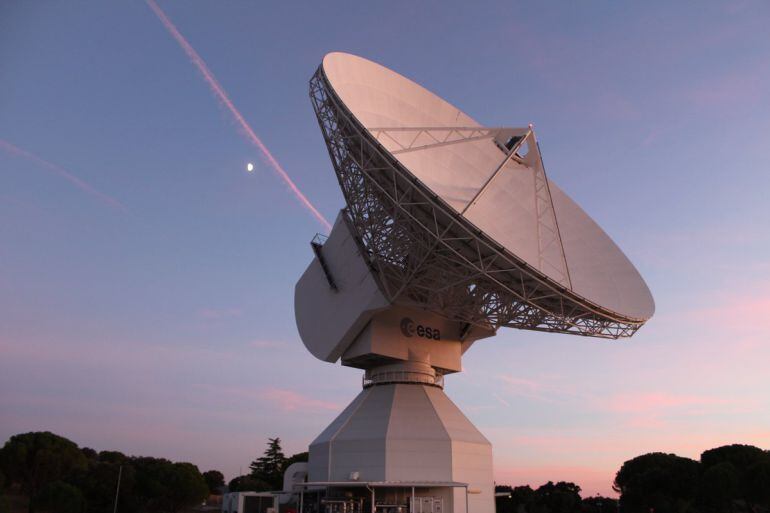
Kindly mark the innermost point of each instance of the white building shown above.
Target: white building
(250, 502)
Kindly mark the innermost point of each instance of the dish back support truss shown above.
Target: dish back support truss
(424, 254)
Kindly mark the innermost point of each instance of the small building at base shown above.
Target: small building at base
(352, 495)
(379, 496)
(250, 502)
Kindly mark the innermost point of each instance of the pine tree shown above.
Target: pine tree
(269, 468)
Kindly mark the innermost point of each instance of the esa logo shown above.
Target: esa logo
(409, 329)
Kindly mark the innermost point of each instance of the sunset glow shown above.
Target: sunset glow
(149, 258)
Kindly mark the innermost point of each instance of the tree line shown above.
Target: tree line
(57, 476)
(560, 497)
(727, 479)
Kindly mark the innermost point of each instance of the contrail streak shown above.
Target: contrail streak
(217, 89)
(77, 182)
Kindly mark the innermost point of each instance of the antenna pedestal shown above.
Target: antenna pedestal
(401, 436)
(405, 435)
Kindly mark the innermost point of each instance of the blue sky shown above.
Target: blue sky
(153, 312)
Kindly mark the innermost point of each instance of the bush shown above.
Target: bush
(59, 497)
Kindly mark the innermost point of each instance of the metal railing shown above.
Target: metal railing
(391, 377)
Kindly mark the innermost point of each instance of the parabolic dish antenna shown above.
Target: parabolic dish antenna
(433, 195)
(452, 230)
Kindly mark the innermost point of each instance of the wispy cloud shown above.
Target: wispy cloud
(220, 93)
(74, 180)
(523, 387)
(660, 130)
(265, 344)
(654, 409)
(730, 90)
(219, 313)
(646, 408)
(92, 353)
(281, 399)
(547, 389)
(501, 400)
(657, 402)
(748, 311)
(739, 316)
(289, 400)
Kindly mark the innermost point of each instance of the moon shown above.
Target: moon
(249, 167)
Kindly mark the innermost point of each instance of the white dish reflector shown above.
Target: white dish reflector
(505, 196)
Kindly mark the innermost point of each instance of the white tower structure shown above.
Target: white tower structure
(451, 231)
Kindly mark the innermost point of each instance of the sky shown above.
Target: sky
(147, 279)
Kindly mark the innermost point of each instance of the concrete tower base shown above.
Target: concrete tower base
(408, 433)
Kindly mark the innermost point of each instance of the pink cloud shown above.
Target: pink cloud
(656, 402)
(279, 398)
(135, 355)
(742, 317)
(651, 410)
(288, 400)
(744, 313)
(521, 384)
(546, 389)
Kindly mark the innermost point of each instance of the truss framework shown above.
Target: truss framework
(422, 137)
(425, 255)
